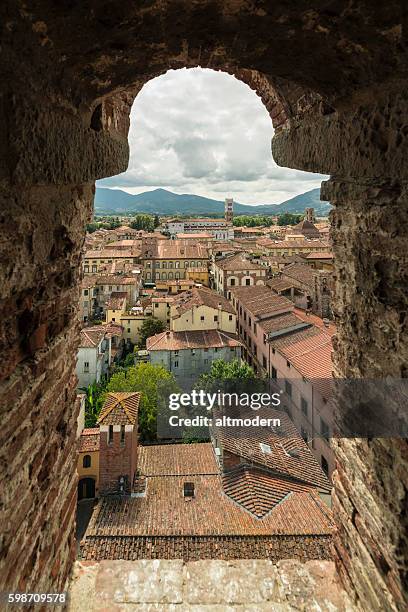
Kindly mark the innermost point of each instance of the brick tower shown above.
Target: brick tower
(229, 210)
(118, 424)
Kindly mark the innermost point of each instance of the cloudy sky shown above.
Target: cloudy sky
(204, 132)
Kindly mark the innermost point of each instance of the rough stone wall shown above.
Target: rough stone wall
(42, 234)
(369, 231)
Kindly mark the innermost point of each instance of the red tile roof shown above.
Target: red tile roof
(258, 491)
(178, 341)
(89, 440)
(246, 443)
(201, 296)
(117, 300)
(261, 301)
(120, 409)
(177, 459)
(236, 262)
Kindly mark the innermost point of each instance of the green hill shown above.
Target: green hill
(165, 202)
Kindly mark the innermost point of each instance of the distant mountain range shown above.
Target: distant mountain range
(165, 202)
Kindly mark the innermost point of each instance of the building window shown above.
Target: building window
(304, 406)
(176, 364)
(324, 429)
(288, 388)
(288, 364)
(164, 264)
(247, 282)
(86, 366)
(122, 435)
(230, 317)
(232, 282)
(110, 434)
(215, 317)
(304, 435)
(128, 330)
(249, 321)
(264, 362)
(157, 275)
(86, 292)
(86, 461)
(274, 373)
(325, 465)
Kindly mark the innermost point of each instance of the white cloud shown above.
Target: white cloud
(204, 132)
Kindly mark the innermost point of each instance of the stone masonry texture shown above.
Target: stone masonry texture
(333, 78)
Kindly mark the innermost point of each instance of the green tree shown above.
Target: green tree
(143, 222)
(149, 327)
(95, 396)
(153, 382)
(156, 221)
(289, 219)
(231, 377)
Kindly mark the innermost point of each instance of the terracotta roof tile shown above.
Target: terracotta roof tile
(89, 440)
(246, 443)
(178, 341)
(201, 296)
(120, 409)
(177, 459)
(259, 491)
(261, 301)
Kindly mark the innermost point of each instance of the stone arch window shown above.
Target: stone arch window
(86, 461)
(335, 110)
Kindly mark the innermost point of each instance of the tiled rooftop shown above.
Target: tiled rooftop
(178, 341)
(89, 440)
(246, 443)
(164, 511)
(261, 301)
(117, 300)
(120, 409)
(201, 296)
(236, 262)
(258, 491)
(177, 459)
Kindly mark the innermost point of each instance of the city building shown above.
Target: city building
(305, 287)
(202, 309)
(169, 259)
(88, 463)
(218, 228)
(290, 247)
(229, 210)
(261, 496)
(292, 349)
(235, 270)
(98, 260)
(118, 443)
(188, 354)
(98, 348)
